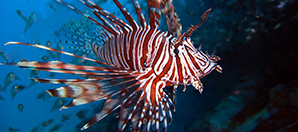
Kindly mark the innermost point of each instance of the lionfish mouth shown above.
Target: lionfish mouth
(140, 69)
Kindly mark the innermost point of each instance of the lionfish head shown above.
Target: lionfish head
(194, 64)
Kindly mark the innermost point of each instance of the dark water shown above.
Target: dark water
(257, 91)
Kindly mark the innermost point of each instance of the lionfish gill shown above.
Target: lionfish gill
(142, 65)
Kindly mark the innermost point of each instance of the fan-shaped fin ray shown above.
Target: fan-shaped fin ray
(76, 91)
(130, 20)
(169, 102)
(140, 15)
(71, 70)
(112, 103)
(155, 118)
(80, 101)
(147, 118)
(168, 110)
(127, 109)
(143, 118)
(106, 14)
(64, 66)
(62, 52)
(154, 13)
(99, 24)
(173, 22)
(88, 92)
(163, 116)
(99, 12)
(86, 89)
(136, 114)
(82, 73)
(90, 79)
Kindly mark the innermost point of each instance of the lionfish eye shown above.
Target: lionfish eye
(176, 51)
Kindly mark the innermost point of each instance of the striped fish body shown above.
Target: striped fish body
(144, 65)
(153, 50)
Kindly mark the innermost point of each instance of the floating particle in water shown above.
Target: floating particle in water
(33, 73)
(277, 26)
(281, 4)
(59, 47)
(58, 104)
(52, 74)
(29, 21)
(10, 129)
(82, 114)
(16, 89)
(52, 7)
(43, 95)
(248, 37)
(47, 122)
(55, 128)
(65, 117)
(3, 56)
(48, 44)
(8, 79)
(36, 129)
(78, 60)
(1, 98)
(45, 57)
(20, 107)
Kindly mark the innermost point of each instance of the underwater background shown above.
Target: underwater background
(257, 90)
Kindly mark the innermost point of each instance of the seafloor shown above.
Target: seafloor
(256, 91)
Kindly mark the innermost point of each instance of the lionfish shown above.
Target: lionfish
(142, 66)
